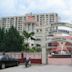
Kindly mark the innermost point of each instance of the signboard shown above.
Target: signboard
(30, 18)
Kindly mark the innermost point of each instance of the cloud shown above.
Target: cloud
(7, 7)
(46, 4)
(20, 7)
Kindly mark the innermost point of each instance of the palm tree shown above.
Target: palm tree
(27, 36)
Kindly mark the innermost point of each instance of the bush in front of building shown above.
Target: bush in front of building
(34, 49)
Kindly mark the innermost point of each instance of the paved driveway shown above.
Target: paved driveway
(39, 68)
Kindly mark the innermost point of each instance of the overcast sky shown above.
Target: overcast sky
(21, 7)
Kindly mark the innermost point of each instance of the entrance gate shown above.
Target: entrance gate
(63, 54)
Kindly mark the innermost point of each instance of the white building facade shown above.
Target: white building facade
(36, 23)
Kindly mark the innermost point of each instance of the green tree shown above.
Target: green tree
(2, 39)
(13, 40)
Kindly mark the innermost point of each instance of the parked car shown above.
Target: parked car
(6, 61)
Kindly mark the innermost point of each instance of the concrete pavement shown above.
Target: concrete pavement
(39, 68)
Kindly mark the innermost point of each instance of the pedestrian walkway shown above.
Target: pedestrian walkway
(39, 68)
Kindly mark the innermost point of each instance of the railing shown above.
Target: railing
(58, 46)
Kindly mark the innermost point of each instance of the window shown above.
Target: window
(38, 45)
(49, 44)
(37, 17)
(24, 18)
(40, 23)
(38, 39)
(32, 26)
(29, 27)
(40, 30)
(37, 30)
(32, 44)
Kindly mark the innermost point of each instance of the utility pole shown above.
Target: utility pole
(44, 49)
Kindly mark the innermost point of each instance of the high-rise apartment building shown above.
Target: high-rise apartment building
(31, 23)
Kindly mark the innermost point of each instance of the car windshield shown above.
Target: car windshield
(1, 57)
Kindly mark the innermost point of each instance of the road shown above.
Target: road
(39, 68)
